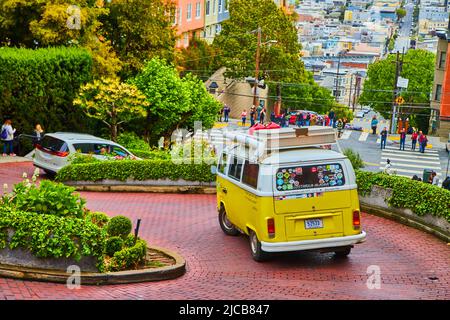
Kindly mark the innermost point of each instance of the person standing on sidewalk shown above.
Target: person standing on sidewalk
(244, 117)
(340, 127)
(258, 113)
(413, 140)
(422, 142)
(226, 113)
(252, 116)
(262, 115)
(402, 139)
(7, 136)
(374, 124)
(331, 117)
(383, 136)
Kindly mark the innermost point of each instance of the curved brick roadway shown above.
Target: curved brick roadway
(220, 267)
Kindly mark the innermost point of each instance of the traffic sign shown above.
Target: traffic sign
(399, 100)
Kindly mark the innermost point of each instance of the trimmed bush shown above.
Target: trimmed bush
(155, 154)
(98, 218)
(80, 158)
(113, 245)
(38, 86)
(421, 198)
(50, 236)
(354, 158)
(137, 170)
(119, 226)
(129, 258)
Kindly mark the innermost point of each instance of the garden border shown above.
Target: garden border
(107, 278)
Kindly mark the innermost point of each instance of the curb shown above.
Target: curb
(416, 223)
(108, 278)
(142, 188)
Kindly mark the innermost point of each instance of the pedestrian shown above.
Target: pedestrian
(387, 167)
(340, 127)
(244, 116)
(383, 135)
(422, 142)
(331, 117)
(433, 179)
(219, 115)
(313, 119)
(7, 136)
(308, 119)
(262, 115)
(335, 121)
(37, 134)
(252, 116)
(287, 119)
(374, 124)
(299, 118)
(272, 116)
(446, 183)
(258, 113)
(226, 112)
(413, 140)
(402, 139)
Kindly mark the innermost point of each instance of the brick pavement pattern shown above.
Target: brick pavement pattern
(413, 264)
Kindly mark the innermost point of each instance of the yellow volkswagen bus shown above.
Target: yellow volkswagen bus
(297, 195)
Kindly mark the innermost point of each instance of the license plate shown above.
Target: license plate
(313, 224)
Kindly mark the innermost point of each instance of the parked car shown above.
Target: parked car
(366, 110)
(293, 118)
(360, 114)
(52, 152)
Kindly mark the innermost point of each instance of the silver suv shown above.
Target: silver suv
(52, 152)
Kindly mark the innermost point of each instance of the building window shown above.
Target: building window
(437, 94)
(218, 28)
(214, 7)
(197, 10)
(180, 15)
(207, 7)
(220, 6)
(186, 39)
(189, 12)
(442, 58)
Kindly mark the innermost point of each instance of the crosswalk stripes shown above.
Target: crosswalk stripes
(408, 163)
(346, 134)
(363, 136)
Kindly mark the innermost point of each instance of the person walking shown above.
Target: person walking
(383, 135)
(244, 117)
(413, 140)
(37, 134)
(402, 139)
(262, 115)
(220, 114)
(226, 112)
(422, 142)
(340, 127)
(374, 124)
(331, 117)
(7, 136)
(252, 116)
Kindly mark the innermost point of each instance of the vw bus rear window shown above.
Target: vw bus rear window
(309, 177)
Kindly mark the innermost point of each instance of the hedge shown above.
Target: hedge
(50, 236)
(421, 198)
(136, 169)
(38, 86)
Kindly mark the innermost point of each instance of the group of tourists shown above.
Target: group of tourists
(7, 137)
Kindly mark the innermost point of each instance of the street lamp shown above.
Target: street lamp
(257, 58)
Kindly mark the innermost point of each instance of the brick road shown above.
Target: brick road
(413, 264)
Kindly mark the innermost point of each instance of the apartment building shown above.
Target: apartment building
(190, 20)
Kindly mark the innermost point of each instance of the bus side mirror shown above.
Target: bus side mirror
(214, 169)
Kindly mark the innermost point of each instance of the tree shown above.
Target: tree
(174, 102)
(112, 102)
(48, 23)
(138, 31)
(418, 68)
(401, 13)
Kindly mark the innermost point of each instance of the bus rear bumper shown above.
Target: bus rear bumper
(313, 244)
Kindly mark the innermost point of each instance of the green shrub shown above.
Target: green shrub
(154, 154)
(421, 198)
(131, 141)
(354, 158)
(98, 218)
(137, 170)
(129, 258)
(40, 86)
(52, 236)
(119, 226)
(47, 198)
(80, 158)
(113, 245)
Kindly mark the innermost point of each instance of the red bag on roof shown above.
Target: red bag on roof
(259, 126)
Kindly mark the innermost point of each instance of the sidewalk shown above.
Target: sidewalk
(9, 159)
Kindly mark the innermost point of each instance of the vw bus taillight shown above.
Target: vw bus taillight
(356, 219)
(271, 227)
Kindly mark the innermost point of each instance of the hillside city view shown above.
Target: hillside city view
(211, 150)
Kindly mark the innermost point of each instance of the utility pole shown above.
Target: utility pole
(350, 94)
(394, 100)
(337, 76)
(255, 96)
(357, 88)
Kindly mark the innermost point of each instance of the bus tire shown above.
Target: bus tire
(343, 253)
(227, 227)
(255, 247)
